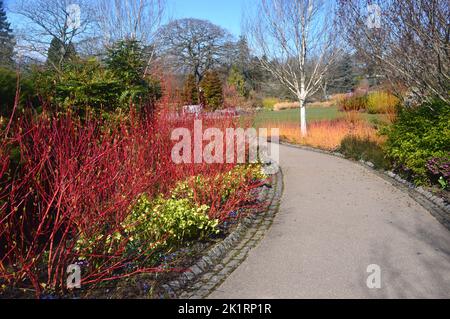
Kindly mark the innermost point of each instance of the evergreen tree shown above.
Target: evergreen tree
(344, 76)
(6, 39)
(126, 61)
(58, 53)
(211, 86)
(236, 78)
(243, 54)
(190, 90)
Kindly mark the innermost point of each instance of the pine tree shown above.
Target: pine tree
(344, 75)
(58, 53)
(190, 90)
(211, 86)
(6, 39)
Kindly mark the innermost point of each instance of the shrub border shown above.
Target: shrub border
(435, 205)
(223, 258)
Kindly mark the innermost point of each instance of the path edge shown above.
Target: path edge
(203, 277)
(435, 205)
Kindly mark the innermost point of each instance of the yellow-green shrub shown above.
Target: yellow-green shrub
(227, 182)
(381, 102)
(168, 221)
(269, 102)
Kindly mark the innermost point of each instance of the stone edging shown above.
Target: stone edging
(223, 258)
(433, 204)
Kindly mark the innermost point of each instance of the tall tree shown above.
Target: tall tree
(407, 40)
(193, 45)
(6, 39)
(211, 86)
(294, 42)
(126, 61)
(133, 20)
(342, 77)
(58, 53)
(46, 20)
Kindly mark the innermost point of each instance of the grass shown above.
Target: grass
(312, 114)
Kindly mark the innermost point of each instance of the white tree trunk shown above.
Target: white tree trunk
(303, 118)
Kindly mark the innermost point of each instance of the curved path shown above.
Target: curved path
(336, 218)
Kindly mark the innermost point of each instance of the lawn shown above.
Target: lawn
(312, 114)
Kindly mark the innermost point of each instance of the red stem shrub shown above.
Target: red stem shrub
(77, 180)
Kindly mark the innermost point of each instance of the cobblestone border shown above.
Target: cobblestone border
(435, 205)
(223, 258)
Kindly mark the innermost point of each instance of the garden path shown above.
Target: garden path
(335, 219)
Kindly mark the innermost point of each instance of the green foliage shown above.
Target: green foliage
(6, 40)
(344, 76)
(8, 82)
(417, 136)
(126, 61)
(227, 183)
(269, 102)
(382, 103)
(190, 90)
(236, 79)
(86, 85)
(443, 182)
(60, 53)
(212, 90)
(364, 149)
(168, 221)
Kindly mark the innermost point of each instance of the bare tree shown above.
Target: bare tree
(131, 19)
(293, 41)
(407, 40)
(197, 45)
(47, 20)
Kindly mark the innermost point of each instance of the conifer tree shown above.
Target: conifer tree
(236, 78)
(190, 90)
(211, 86)
(57, 53)
(6, 39)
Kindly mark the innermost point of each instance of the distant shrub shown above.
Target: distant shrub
(8, 82)
(269, 102)
(364, 149)
(232, 98)
(286, 106)
(379, 102)
(417, 136)
(354, 102)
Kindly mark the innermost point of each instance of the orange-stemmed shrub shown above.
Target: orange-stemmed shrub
(327, 134)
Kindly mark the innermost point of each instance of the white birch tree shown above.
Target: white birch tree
(293, 40)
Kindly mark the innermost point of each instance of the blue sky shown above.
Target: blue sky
(226, 13)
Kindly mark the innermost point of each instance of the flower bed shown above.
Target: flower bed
(107, 197)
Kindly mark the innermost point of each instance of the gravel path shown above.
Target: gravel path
(335, 219)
